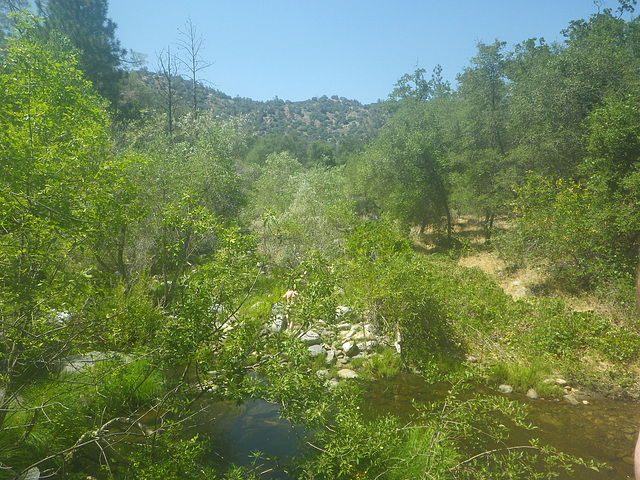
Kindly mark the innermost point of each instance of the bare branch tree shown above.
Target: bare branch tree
(168, 71)
(191, 44)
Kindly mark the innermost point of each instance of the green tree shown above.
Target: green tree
(7, 7)
(555, 87)
(416, 86)
(87, 26)
(53, 132)
(481, 158)
(404, 171)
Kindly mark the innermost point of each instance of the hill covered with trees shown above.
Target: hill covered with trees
(149, 227)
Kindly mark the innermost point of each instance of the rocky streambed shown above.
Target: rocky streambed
(341, 343)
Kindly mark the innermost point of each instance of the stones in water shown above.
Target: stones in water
(532, 394)
(505, 388)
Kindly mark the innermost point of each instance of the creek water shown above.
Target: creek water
(603, 430)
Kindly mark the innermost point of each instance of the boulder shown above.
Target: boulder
(342, 312)
(278, 324)
(532, 394)
(78, 363)
(370, 331)
(310, 337)
(315, 350)
(331, 355)
(350, 349)
(571, 400)
(505, 388)
(347, 373)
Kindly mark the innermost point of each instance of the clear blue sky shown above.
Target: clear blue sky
(358, 49)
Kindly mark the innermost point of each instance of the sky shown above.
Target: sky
(358, 49)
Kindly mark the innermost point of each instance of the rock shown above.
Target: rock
(58, 319)
(344, 326)
(342, 312)
(323, 373)
(354, 332)
(310, 337)
(571, 400)
(326, 333)
(532, 394)
(370, 331)
(331, 355)
(347, 373)
(505, 388)
(278, 324)
(78, 363)
(350, 349)
(472, 359)
(561, 382)
(315, 350)
(368, 345)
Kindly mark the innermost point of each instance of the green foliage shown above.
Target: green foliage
(452, 439)
(373, 241)
(296, 212)
(54, 138)
(565, 223)
(533, 374)
(385, 364)
(403, 171)
(92, 33)
(171, 457)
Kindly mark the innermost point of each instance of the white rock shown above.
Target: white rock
(370, 331)
(347, 373)
(310, 337)
(505, 388)
(350, 349)
(315, 350)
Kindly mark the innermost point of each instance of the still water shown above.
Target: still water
(604, 430)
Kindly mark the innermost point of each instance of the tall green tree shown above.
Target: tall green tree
(482, 107)
(53, 137)
(93, 33)
(404, 170)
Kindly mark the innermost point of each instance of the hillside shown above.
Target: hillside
(324, 119)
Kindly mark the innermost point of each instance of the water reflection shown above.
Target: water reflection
(239, 431)
(603, 430)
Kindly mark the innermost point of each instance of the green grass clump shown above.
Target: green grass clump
(524, 376)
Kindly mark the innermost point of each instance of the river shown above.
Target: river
(603, 430)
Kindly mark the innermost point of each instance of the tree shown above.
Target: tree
(482, 163)
(7, 7)
(53, 136)
(404, 170)
(415, 86)
(168, 72)
(87, 26)
(191, 44)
